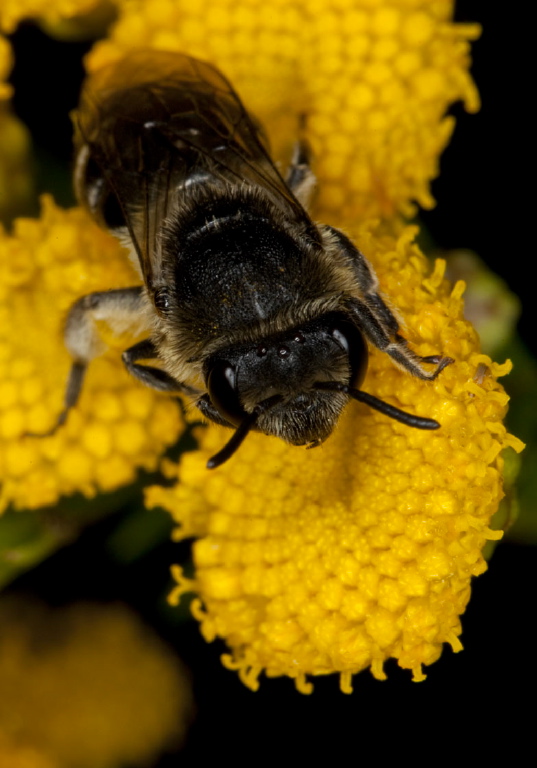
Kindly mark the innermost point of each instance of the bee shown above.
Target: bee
(256, 313)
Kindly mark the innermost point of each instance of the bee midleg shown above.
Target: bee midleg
(300, 178)
(152, 377)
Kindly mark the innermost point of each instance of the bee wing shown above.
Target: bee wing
(157, 122)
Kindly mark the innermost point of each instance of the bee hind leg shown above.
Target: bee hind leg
(300, 178)
(72, 393)
(122, 309)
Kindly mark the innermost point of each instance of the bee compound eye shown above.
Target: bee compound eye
(162, 299)
(351, 341)
(222, 387)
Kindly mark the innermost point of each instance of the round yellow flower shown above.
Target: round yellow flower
(86, 686)
(371, 80)
(119, 425)
(307, 563)
(336, 559)
(14, 11)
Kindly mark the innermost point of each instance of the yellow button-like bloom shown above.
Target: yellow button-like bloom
(307, 562)
(86, 686)
(119, 425)
(14, 11)
(373, 80)
(333, 560)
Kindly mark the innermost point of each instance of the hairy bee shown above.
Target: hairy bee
(252, 310)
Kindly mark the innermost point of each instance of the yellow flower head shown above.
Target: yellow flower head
(307, 562)
(333, 560)
(86, 686)
(119, 426)
(14, 11)
(372, 78)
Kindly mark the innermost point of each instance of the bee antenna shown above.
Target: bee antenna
(238, 437)
(419, 422)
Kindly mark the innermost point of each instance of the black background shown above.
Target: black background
(472, 703)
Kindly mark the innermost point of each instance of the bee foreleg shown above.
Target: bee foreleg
(300, 178)
(393, 344)
(152, 377)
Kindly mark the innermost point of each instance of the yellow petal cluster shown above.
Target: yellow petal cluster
(338, 558)
(86, 686)
(119, 426)
(371, 78)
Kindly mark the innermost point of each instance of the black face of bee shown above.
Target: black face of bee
(285, 369)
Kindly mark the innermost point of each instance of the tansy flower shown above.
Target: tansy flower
(86, 686)
(49, 13)
(333, 560)
(119, 426)
(372, 78)
(336, 559)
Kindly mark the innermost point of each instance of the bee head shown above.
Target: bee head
(276, 385)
